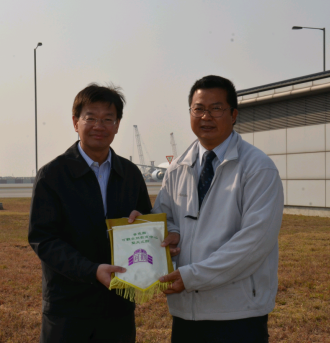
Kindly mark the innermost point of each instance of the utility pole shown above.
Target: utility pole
(314, 28)
(35, 103)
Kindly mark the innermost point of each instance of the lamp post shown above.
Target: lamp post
(314, 28)
(35, 102)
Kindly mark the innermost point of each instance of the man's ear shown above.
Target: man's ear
(118, 120)
(75, 123)
(234, 115)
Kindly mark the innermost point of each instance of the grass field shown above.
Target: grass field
(302, 309)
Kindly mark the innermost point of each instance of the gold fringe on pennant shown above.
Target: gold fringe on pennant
(137, 295)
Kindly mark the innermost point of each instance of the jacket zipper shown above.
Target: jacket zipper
(195, 222)
(192, 239)
(191, 244)
(253, 286)
(193, 293)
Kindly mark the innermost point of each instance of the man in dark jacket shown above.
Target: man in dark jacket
(72, 196)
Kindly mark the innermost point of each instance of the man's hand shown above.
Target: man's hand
(172, 240)
(177, 286)
(103, 273)
(133, 215)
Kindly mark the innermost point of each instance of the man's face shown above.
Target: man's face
(212, 131)
(96, 137)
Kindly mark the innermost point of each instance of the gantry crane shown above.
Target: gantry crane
(139, 146)
(175, 154)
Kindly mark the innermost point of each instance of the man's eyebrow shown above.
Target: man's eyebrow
(214, 103)
(92, 114)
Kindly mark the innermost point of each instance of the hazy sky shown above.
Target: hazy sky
(155, 50)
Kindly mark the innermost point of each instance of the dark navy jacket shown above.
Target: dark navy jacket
(68, 232)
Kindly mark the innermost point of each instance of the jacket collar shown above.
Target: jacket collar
(232, 150)
(79, 167)
(190, 155)
(116, 164)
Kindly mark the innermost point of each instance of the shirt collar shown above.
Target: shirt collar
(88, 160)
(219, 150)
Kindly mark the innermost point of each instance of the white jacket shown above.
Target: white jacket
(229, 253)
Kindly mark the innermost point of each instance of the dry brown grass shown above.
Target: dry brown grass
(302, 308)
(153, 199)
(16, 204)
(20, 276)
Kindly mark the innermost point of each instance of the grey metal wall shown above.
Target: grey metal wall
(295, 134)
(303, 111)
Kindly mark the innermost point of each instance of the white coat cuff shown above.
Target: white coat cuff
(185, 272)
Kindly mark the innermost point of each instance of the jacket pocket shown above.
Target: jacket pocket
(222, 299)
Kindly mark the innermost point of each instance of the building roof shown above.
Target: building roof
(285, 83)
(297, 87)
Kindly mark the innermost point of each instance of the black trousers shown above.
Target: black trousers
(87, 330)
(248, 330)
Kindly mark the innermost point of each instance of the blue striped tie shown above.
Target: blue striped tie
(206, 177)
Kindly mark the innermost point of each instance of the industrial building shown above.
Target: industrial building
(290, 122)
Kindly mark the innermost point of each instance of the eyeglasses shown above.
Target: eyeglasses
(107, 122)
(215, 111)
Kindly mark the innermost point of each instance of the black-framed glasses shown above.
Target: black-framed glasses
(107, 122)
(215, 111)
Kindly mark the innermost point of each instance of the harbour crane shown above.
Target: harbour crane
(139, 146)
(149, 172)
(175, 154)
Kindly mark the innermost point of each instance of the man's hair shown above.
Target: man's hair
(213, 81)
(95, 93)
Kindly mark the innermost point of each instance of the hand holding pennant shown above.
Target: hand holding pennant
(177, 285)
(104, 271)
(171, 240)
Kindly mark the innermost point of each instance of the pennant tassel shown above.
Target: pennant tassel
(137, 295)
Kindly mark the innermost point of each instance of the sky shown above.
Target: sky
(154, 50)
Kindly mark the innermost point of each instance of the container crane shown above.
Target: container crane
(139, 146)
(175, 154)
(149, 172)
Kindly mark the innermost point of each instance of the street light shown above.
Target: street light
(35, 102)
(314, 28)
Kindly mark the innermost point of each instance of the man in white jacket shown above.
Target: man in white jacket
(224, 201)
